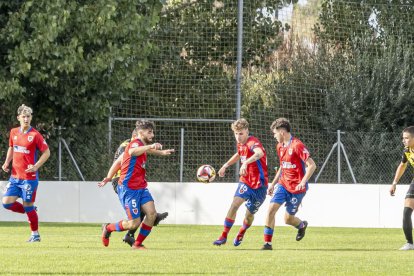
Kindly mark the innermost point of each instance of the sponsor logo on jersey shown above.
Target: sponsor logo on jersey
(134, 145)
(288, 165)
(29, 138)
(21, 149)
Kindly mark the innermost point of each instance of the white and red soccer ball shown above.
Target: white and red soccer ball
(206, 174)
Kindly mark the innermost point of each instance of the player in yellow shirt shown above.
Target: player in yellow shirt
(407, 157)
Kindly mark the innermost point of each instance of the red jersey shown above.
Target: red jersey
(133, 168)
(292, 158)
(25, 150)
(256, 176)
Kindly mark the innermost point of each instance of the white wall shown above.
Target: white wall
(342, 205)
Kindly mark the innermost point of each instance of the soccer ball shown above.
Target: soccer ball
(206, 174)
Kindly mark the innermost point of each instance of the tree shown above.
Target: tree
(70, 60)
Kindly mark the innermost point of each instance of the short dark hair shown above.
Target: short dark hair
(281, 123)
(144, 124)
(410, 130)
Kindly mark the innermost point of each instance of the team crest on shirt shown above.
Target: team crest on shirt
(15, 137)
(29, 138)
(290, 151)
(135, 211)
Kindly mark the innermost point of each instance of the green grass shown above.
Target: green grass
(185, 249)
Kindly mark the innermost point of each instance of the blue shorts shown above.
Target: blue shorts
(132, 200)
(254, 197)
(25, 189)
(281, 195)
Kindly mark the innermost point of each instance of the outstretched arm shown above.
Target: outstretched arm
(230, 162)
(161, 152)
(114, 168)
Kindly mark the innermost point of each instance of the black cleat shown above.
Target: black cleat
(267, 246)
(160, 217)
(302, 231)
(129, 239)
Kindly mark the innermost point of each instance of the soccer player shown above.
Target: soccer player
(407, 156)
(253, 180)
(296, 167)
(132, 185)
(130, 236)
(24, 144)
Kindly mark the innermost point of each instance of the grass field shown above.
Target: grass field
(184, 249)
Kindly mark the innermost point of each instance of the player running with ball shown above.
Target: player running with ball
(291, 178)
(253, 180)
(132, 189)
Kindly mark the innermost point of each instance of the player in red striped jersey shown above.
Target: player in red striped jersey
(296, 167)
(24, 144)
(253, 180)
(132, 185)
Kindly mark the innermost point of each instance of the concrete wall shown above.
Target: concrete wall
(341, 205)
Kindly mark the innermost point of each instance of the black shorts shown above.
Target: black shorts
(410, 192)
(115, 184)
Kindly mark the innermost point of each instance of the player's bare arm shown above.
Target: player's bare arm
(271, 186)
(229, 163)
(258, 153)
(112, 170)
(400, 171)
(43, 158)
(161, 152)
(141, 150)
(9, 158)
(310, 169)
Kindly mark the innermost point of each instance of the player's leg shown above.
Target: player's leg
(253, 203)
(29, 189)
(240, 196)
(129, 237)
(146, 225)
(292, 206)
(407, 221)
(12, 193)
(130, 200)
(270, 225)
(279, 197)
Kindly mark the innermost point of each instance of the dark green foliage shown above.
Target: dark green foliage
(69, 60)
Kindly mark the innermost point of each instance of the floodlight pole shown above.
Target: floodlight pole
(340, 146)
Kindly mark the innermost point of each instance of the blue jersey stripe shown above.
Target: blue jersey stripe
(261, 171)
(130, 170)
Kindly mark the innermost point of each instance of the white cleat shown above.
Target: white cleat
(407, 246)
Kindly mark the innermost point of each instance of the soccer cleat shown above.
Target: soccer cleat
(129, 239)
(138, 247)
(302, 231)
(160, 217)
(267, 246)
(105, 235)
(237, 240)
(34, 238)
(220, 241)
(407, 246)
